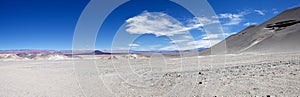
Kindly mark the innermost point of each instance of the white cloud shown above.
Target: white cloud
(170, 47)
(260, 12)
(202, 21)
(204, 43)
(275, 11)
(178, 41)
(211, 36)
(148, 48)
(231, 19)
(157, 23)
(234, 19)
(133, 45)
(190, 45)
(161, 24)
(249, 23)
(187, 37)
(228, 34)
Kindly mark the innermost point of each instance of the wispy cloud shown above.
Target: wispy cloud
(187, 37)
(192, 45)
(228, 34)
(234, 19)
(178, 41)
(249, 23)
(204, 43)
(275, 11)
(212, 36)
(260, 12)
(203, 21)
(133, 45)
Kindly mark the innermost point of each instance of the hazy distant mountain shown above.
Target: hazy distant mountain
(32, 51)
(96, 52)
(279, 34)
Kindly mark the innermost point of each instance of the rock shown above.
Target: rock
(199, 83)
(200, 73)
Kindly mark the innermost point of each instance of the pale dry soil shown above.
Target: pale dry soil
(222, 75)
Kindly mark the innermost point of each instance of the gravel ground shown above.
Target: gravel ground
(226, 75)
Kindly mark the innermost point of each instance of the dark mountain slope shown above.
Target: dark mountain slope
(279, 34)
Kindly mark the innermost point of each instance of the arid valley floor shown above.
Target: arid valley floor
(220, 75)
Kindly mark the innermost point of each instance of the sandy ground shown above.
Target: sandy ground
(226, 75)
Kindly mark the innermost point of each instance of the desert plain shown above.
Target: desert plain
(273, 74)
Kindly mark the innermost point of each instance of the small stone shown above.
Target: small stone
(255, 88)
(292, 74)
(200, 83)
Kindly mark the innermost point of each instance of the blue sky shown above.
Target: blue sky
(50, 24)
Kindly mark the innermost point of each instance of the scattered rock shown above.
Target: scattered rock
(112, 57)
(292, 74)
(200, 73)
(199, 83)
(131, 56)
(28, 56)
(255, 88)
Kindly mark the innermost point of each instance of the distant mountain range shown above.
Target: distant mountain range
(32, 51)
(86, 52)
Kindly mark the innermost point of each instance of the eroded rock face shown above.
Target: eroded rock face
(282, 25)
